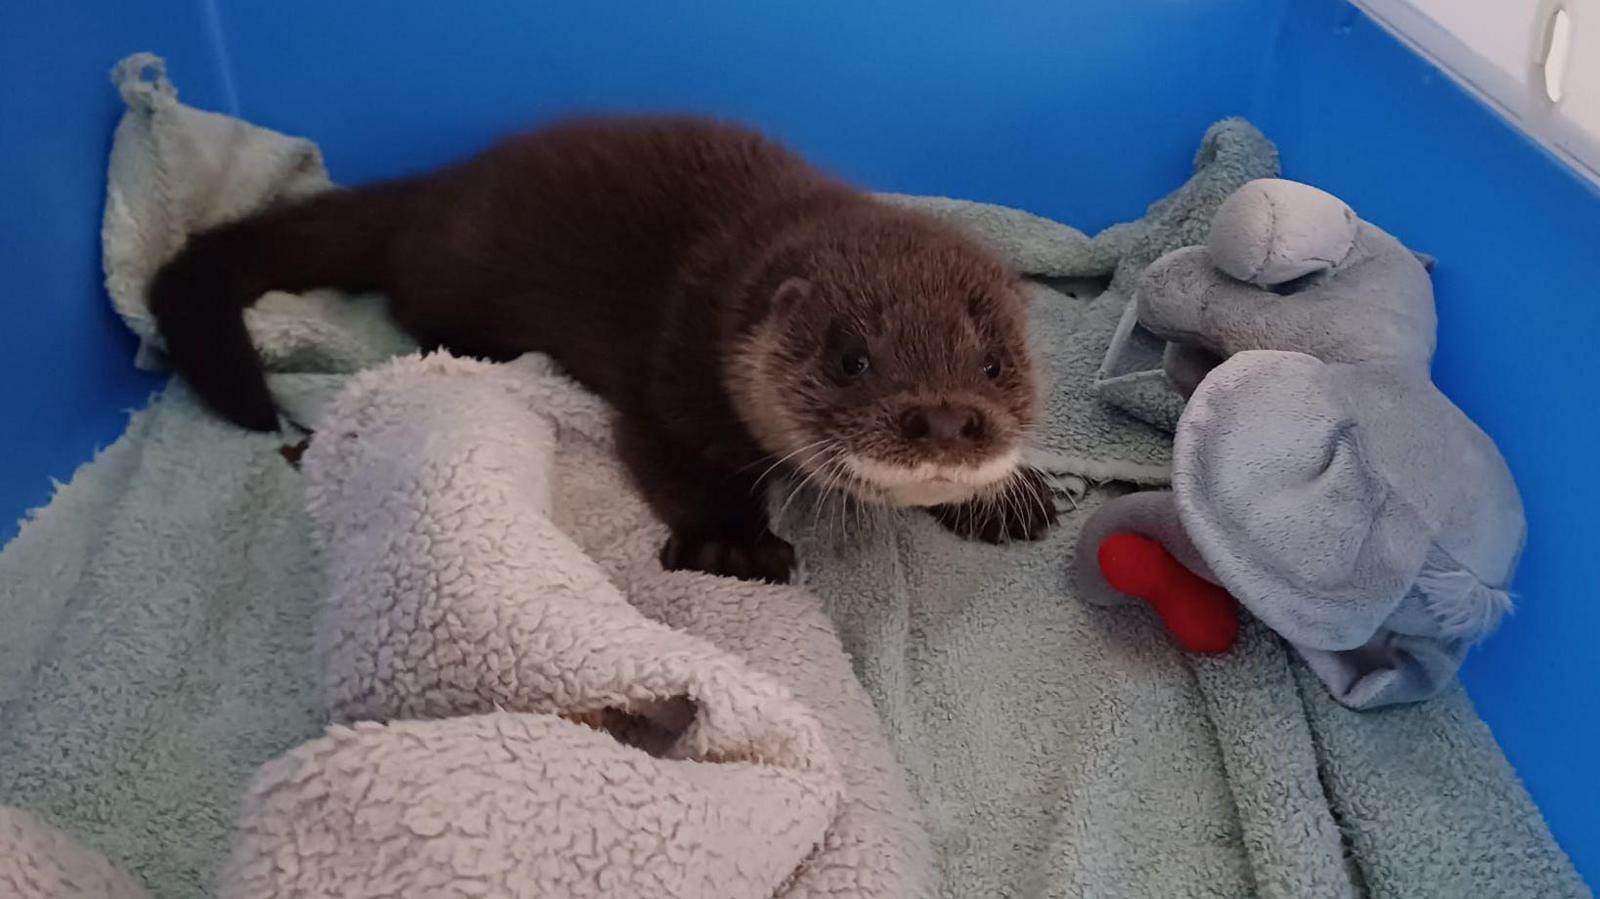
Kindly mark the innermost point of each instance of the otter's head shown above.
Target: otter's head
(886, 355)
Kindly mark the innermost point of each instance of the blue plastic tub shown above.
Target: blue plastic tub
(1082, 111)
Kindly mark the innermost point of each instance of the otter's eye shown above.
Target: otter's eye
(992, 366)
(854, 363)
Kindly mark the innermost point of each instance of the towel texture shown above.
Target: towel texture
(175, 170)
(170, 599)
(37, 861)
(550, 713)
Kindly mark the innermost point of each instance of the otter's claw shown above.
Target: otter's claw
(1023, 510)
(767, 557)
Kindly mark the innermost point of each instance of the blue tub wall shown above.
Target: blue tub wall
(65, 359)
(1012, 103)
(1518, 290)
(1084, 111)
(1018, 101)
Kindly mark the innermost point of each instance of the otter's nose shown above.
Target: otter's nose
(942, 424)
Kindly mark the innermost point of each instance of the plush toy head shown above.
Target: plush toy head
(1289, 267)
(1318, 473)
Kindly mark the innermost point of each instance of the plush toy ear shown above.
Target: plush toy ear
(1272, 231)
(1428, 262)
(1287, 504)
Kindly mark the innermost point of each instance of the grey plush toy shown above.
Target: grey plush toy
(1318, 474)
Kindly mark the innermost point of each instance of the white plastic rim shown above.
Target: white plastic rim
(1535, 62)
(1557, 50)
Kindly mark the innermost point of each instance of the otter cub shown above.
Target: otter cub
(743, 312)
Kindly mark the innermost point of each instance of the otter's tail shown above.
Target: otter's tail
(339, 239)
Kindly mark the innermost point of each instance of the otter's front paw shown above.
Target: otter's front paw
(1023, 509)
(767, 557)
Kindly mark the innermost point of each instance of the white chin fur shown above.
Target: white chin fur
(930, 484)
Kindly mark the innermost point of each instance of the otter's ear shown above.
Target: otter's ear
(791, 293)
(776, 303)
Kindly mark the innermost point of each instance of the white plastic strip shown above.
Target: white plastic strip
(1536, 62)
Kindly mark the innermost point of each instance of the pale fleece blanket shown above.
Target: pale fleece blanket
(525, 704)
(492, 582)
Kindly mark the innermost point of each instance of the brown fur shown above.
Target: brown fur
(704, 280)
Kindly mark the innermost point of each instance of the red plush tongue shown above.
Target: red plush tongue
(1201, 615)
